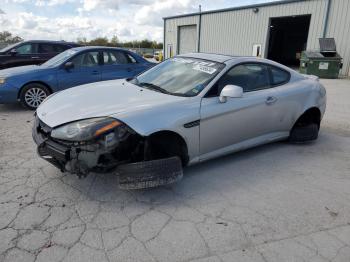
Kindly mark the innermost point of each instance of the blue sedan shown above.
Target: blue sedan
(30, 85)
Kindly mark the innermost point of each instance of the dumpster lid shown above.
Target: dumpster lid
(327, 45)
(313, 54)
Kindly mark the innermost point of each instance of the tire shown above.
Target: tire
(149, 174)
(32, 95)
(302, 134)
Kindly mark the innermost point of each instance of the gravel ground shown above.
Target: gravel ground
(278, 202)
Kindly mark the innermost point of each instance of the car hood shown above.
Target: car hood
(117, 98)
(13, 71)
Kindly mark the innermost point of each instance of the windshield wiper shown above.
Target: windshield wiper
(153, 87)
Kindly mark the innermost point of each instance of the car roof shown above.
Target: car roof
(220, 58)
(228, 59)
(51, 42)
(209, 56)
(81, 48)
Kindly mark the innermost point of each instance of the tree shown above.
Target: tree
(82, 41)
(114, 41)
(103, 41)
(159, 46)
(7, 37)
(146, 43)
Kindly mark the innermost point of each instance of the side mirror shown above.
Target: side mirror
(68, 65)
(13, 52)
(230, 91)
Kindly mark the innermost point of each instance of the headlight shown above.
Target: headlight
(85, 130)
(2, 80)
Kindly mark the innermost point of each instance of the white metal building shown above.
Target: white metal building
(275, 30)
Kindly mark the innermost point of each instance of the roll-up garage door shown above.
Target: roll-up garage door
(187, 39)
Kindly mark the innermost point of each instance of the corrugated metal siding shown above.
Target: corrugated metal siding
(235, 32)
(339, 28)
(239, 30)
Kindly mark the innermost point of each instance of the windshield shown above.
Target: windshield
(60, 58)
(179, 76)
(7, 48)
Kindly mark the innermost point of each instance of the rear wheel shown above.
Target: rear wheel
(307, 127)
(302, 134)
(32, 95)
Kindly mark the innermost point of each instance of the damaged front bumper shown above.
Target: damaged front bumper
(99, 155)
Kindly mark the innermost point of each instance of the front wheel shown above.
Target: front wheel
(33, 95)
(302, 134)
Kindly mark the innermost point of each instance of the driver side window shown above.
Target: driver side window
(250, 77)
(25, 49)
(87, 59)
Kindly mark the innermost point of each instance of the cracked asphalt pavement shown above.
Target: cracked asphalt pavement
(278, 202)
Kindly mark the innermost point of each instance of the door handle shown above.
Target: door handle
(95, 72)
(271, 100)
(35, 57)
(129, 69)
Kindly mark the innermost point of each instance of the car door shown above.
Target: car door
(242, 122)
(21, 55)
(86, 69)
(118, 64)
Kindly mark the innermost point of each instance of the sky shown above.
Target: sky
(72, 19)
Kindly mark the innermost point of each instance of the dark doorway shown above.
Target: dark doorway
(288, 37)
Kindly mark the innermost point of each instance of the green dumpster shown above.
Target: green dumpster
(325, 63)
(315, 63)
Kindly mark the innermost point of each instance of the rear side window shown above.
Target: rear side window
(46, 48)
(60, 48)
(279, 76)
(130, 58)
(250, 77)
(87, 59)
(114, 57)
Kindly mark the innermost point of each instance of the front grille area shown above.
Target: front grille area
(57, 151)
(42, 128)
(45, 153)
(38, 137)
(53, 152)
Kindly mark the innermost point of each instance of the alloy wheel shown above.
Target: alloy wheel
(34, 97)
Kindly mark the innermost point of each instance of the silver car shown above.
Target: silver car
(181, 112)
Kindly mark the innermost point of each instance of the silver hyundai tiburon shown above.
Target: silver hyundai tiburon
(183, 111)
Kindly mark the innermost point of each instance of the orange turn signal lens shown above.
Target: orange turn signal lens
(107, 128)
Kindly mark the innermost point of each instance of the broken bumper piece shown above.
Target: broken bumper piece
(148, 174)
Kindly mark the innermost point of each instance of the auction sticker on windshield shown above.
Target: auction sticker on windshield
(206, 67)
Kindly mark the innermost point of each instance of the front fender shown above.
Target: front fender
(49, 79)
(168, 118)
